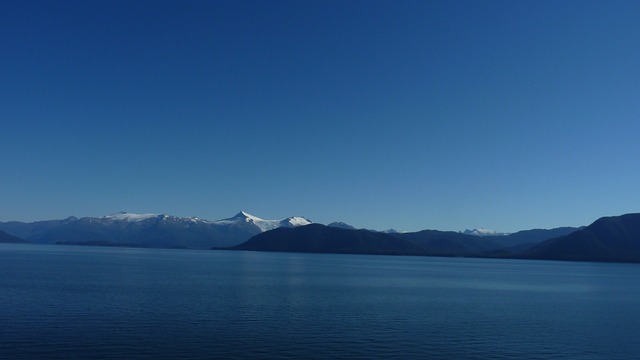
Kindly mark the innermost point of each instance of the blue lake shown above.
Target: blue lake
(62, 302)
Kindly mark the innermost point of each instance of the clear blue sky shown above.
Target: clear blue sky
(407, 114)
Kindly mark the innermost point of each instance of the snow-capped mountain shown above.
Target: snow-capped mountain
(134, 218)
(152, 230)
(483, 232)
(125, 216)
(262, 224)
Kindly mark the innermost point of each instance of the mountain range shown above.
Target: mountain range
(148, 230)
(611, 239)
(614, 238)
(340, 239)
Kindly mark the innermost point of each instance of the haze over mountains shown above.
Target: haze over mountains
(607, 239)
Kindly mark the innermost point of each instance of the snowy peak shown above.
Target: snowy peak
(125, 216)
(241, 219)
(264, 225)
(134, 218)
(483, 232)
(294, 221)
(245, 216)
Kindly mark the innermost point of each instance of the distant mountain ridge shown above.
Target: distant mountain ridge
(613, 238)
(533, 236)
(148, 230)
(338, 239)
(33, 229)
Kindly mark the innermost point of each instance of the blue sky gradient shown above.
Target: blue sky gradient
(407, 114)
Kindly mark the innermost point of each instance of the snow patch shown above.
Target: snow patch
(264, 225)
(483, 232)
(125, 216)
(299, 221)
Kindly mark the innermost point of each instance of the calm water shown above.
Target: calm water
(84, 302)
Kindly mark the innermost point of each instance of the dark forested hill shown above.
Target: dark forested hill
(532, 237)
(449, 243)
(316, 238)
(6, 238)
(615, 238)
(607, 239)
(327, 239)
